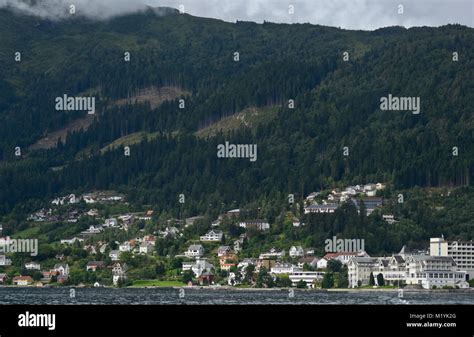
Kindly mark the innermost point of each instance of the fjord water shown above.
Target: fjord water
(223, 296)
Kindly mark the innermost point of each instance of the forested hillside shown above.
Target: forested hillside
(300, 149)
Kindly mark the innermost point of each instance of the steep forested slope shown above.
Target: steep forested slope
(337, 104)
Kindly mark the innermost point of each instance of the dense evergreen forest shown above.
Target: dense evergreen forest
(300, 149)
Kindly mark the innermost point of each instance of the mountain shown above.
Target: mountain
(336, 132)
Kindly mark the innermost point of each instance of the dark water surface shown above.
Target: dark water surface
(12, 295)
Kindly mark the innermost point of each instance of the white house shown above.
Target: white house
(32, 265)
(198, 267)
(258, 224)
(359, 269)
(212, 235)
(272, 253)
(114, 255)
(146, 247)
(61, 268)
(125, 247)
(329, 208)
(322, 264)
(92, 230)
(195, 251)
(246, 262)
(434, 271)
(296, 251)
(112, 222)
(119, 273)
(284, 268)
(223, 250)
(72, 241)
(307, 276)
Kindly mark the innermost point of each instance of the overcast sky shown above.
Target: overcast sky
(349, 14)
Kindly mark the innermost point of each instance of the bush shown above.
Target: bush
(328, 281)
(301, 284)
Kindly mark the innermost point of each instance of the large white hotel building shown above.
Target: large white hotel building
(462, 253)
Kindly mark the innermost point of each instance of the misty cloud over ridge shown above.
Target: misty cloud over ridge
(349, 14)
(59, 9)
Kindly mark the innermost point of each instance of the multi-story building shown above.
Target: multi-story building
(328, 208)
(4, 260)
(344, 257)
(307, 276)
(284, 268)
(272, 254)
(296, 251)
(422, 270)
(434, 271)
(359, 269)
(195, 251)
(258, 224)
(392, 268)
(198, 267)
(119, 273)
(32, 266)
(462, 253)
(212, 235)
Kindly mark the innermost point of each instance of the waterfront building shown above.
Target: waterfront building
(307, 276)
(462, 253)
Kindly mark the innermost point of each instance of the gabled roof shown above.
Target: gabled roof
(398, 259)
(330, 256)
(59, 265)
(308, 259)
(363, 260)
(384, 262)
(432, 258)
(215, 231)
(95, 263)
(297, 247)
(327, 206)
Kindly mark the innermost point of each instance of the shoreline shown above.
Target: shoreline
(229, 288)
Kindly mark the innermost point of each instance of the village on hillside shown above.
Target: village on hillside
(101, 242)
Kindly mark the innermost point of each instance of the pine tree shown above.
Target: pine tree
(371, 280)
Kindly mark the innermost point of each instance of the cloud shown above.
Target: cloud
(349, 14)
(59, 9)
